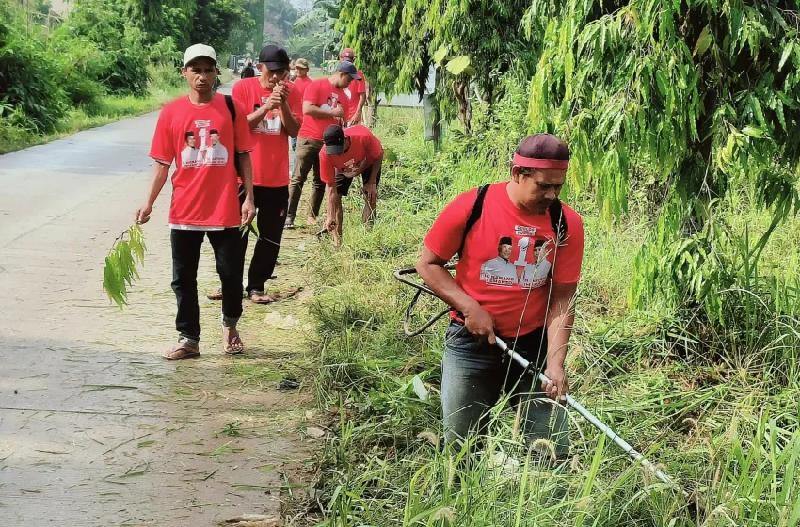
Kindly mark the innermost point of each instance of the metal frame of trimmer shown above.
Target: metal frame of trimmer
(401, 276)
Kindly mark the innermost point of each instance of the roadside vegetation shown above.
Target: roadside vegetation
(682, 121)
(103, 61)
(714, 403)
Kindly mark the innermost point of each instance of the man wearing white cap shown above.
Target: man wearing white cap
(204, 196)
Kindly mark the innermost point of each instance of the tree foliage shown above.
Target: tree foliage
(314, 35)
(694, 100)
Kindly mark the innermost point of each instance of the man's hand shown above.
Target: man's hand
(371, 191)
(355, 120)
(143, 214)
(330, 224)
(275, 100)
(337, 111)
(248, 211)
(479, 322)
(558, 387)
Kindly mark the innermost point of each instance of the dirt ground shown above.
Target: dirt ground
(95, 427)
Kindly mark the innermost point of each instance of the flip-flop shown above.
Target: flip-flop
(233, 347)
(268, 300)
(182, 350)
(215, 295)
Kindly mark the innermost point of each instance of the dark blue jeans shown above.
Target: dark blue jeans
(475, 375)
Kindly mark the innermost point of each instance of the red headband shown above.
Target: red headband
(533, 162)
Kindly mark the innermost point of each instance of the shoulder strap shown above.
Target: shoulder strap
(231, 107)
(474, 215)
(558, 221)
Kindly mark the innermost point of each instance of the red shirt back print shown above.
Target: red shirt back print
(509, 257)
(201, 139)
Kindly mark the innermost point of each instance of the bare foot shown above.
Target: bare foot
(231, 342)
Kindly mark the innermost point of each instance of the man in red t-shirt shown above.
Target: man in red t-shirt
(301, 82)
(199, 133)
(515, 278)
(274, 106)
(324, 103)
(349, 152)
(358, 90)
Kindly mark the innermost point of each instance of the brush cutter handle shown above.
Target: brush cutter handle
(597, 423)
(421, 288)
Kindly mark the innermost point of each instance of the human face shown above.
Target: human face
(302, 72)
(342, 80)
(190, 141)
(271, 78)
(200, 74)
(535, 189)
(214, 139)
(505, 251)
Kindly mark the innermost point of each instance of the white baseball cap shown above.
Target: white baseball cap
(198, 50)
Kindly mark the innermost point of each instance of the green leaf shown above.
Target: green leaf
(753, 131)
(440, 54)
(703, 41)
(459, 64)
(787, 51)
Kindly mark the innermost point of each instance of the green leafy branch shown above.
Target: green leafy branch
(120, 264)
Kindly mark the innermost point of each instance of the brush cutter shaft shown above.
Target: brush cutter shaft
(589, 416)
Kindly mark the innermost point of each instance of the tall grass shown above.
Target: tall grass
(713, 406)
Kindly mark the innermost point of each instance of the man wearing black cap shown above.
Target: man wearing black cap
(324, 104)
(534, 317)
(274, 106)
(350, 152)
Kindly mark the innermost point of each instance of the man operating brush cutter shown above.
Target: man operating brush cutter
(520, 252)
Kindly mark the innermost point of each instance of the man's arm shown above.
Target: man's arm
(362, 98)
(254, 118)
(246, 173)
(288, 119)
(560, 317)
(160, 173)
(371, 188)
(431, 269)
(316, 112)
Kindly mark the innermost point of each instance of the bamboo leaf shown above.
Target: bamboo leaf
(458, 65)
(703, 41)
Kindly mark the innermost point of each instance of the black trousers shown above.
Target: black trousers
(185, 260)
(271, 204)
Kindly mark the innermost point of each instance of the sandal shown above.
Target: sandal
(233, 344)
(259, 297)
(215, 295)
(184, 349)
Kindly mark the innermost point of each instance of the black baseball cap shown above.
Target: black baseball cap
(333, 139)
(274, 58)
(350, 69)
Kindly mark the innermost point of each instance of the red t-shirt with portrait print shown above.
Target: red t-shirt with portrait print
(323, 94)
(270, 155)
(364, 146)
(507, 253)
(202, 139)
(356, 88)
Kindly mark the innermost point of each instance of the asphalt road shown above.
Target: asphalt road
(96, 428)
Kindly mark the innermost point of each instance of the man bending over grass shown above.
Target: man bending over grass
(489, 298)
(350, 152)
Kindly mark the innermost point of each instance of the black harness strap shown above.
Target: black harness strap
(474, 216)
(557, 220)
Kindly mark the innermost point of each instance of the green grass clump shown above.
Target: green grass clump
(715, 406)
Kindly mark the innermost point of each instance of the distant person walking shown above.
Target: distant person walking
(358, 91)
(348, 153)
(199, 133)
(248, 71)
(324, 103)
(301, 82)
